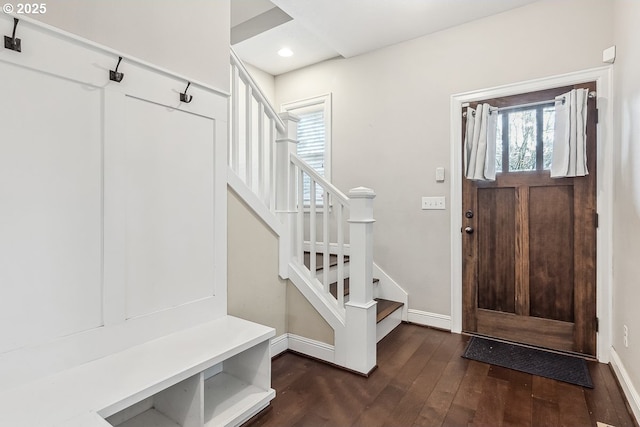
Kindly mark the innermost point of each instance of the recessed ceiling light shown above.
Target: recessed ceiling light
(285, 52)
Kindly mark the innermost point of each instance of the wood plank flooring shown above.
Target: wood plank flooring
(421, 380)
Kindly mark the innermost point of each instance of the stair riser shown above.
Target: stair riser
(388, 324)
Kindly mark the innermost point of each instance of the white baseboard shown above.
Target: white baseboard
(279, 344)
(628, 387)
(309, 347)
(306, 346)
(434, 320)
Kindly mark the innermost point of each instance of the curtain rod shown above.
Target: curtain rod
(592, 95)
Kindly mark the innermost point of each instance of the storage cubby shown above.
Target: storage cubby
(226, 393)
(176, 406)
(238, 388)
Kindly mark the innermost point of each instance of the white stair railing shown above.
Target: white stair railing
(254, 125)
(356, 341)
(262, 154)
(329, 217)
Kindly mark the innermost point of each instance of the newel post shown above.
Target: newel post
(361, 308)
(286, 143)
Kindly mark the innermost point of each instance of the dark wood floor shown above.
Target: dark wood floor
(421, 380)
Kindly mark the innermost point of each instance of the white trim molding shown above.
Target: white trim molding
(279, 344)
(434, 320)
(313, 348)
(630, 392)
(390, 289)
(603, 77)
(307, 346)
(324, 103)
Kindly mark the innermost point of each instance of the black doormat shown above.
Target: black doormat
(556, 366)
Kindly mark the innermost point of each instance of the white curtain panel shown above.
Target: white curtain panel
(570, 138)
(480, 143)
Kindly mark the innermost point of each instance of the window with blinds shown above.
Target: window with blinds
(313, 139)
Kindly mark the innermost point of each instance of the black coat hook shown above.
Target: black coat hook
(12, 42)
(184, 97)
(114, 75)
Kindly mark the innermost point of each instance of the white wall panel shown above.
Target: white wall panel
(112, 203)
(50, 207)
(169, 207)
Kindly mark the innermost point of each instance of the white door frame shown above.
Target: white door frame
(602, 76)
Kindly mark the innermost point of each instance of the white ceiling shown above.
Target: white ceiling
(322, 29)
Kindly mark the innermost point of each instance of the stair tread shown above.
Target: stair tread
(333, 287)
(385, 308)
(333, 260)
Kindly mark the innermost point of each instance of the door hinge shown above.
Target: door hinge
(597, 324)
(596, 220)
(597, 115)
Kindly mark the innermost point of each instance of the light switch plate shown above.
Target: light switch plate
(434, 203)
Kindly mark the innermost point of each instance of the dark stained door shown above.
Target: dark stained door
(529, 246)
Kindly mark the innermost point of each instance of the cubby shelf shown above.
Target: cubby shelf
(228, 399)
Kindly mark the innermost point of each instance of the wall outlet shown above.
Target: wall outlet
(430, 203)
(625, 335)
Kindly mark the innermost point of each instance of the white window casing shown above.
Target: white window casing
(314, 136)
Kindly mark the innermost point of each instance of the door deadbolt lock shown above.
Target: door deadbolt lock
(469, 214)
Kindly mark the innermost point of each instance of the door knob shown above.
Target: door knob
(468, 230)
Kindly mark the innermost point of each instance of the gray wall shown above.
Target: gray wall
(186, 37)
(626, 212)
(391, 119)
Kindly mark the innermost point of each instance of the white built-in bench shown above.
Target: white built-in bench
(214, 374)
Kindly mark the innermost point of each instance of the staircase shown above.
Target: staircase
(388, 314)
(325, 242)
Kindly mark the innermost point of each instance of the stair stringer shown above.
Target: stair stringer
(389, 289)
(328, 309)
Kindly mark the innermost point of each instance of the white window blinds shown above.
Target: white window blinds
(311, 147)
(314, 139)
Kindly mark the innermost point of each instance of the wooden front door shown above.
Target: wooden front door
(529, 241)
